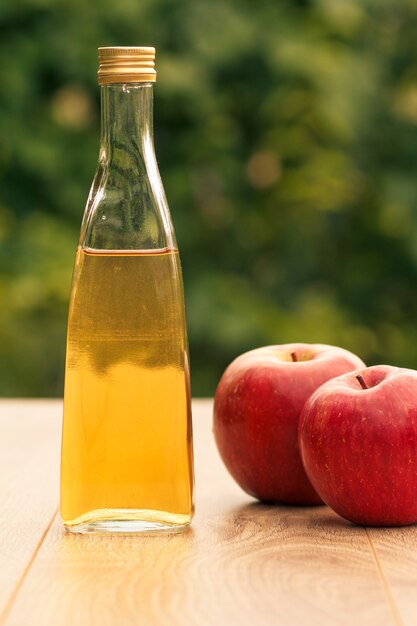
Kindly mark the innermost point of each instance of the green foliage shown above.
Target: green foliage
(287, 141)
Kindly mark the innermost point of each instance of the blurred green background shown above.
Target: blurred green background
(286, 134)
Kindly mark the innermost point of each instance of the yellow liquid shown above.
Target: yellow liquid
(127, 443)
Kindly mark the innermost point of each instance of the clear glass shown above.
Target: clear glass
(127, 460)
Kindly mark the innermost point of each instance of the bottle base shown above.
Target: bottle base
(128, 522)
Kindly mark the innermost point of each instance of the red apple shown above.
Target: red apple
(358, 442)
(256, 411)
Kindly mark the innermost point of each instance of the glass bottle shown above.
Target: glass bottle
(127, 461)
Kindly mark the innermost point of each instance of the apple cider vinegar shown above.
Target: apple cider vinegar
(126, 440)
(127, 461)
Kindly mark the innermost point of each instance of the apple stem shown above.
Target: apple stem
(361, 381)
(294, 357)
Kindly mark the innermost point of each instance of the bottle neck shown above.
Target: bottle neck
(127, 208)
(126, 119)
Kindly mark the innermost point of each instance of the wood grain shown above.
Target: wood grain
(241, 563)
(396, 550)
(29, 470)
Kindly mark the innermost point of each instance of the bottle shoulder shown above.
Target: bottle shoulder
(127, 207)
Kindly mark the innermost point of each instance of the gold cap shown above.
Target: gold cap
(120, 64)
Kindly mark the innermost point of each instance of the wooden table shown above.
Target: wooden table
(241, 563)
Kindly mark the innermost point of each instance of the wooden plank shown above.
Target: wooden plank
(29, 470)
(396, 554)
(240, 564)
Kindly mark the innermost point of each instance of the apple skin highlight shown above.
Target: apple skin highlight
(256, 410)
(359, 445)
